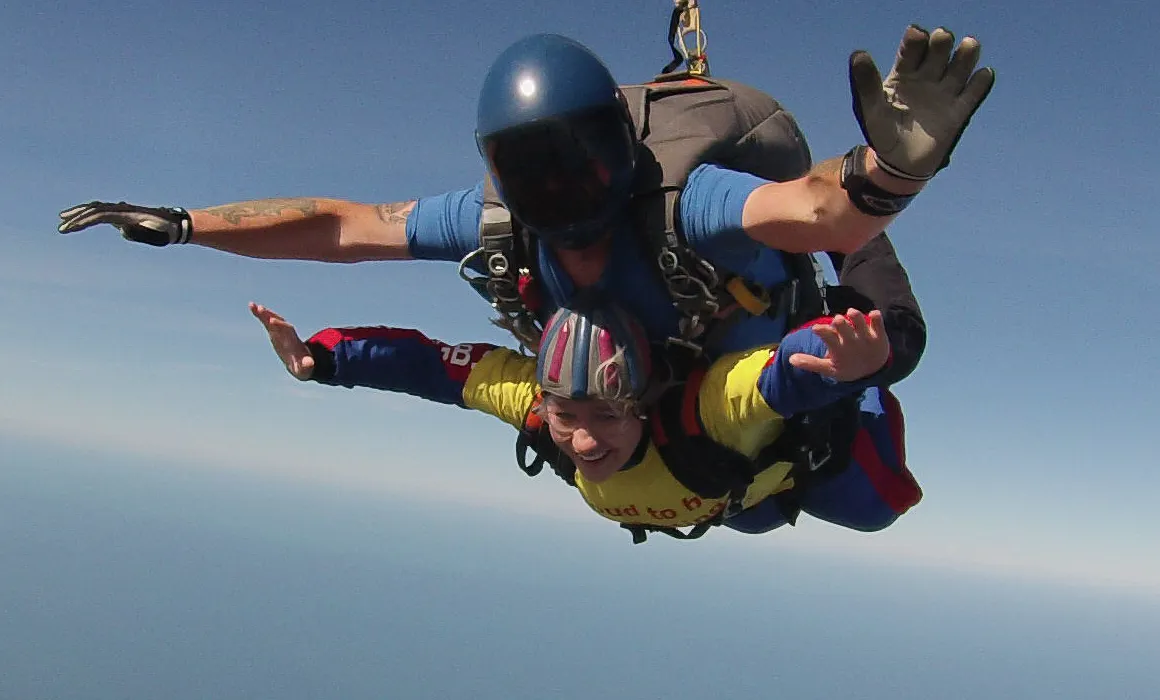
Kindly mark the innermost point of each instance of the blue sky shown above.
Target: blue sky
(1029, 421)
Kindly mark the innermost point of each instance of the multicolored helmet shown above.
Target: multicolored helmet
(597, 352)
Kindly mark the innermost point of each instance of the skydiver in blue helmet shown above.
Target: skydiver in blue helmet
(582, 193)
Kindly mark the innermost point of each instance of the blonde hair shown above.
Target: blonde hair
(614, 386)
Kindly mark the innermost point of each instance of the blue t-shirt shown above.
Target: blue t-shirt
(446, 227)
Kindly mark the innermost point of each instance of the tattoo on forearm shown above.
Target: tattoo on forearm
(235, 213)
(395, 213)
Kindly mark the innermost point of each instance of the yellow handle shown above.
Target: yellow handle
(751, 302)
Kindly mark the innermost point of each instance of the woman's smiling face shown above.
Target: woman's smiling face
(598, 436)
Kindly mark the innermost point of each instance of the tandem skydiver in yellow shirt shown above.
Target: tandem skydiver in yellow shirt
(592, 394)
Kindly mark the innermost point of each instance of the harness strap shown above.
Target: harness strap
(818, 445)
(534, 436)
(508, 259)
(711, 303)
(640, 532)
(703, 466)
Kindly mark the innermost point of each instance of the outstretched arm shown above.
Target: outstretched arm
(375, 357)
(478, 376)
(440, 227)
(326, 230)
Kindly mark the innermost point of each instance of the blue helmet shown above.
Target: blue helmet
(554, 131)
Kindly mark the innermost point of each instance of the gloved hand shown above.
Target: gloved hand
(914, 118)
(156, 226)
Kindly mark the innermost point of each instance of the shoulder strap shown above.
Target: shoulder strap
(702, 465)
(509, 258)
(662, 170)
(534, 436)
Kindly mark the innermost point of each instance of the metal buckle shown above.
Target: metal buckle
(497, 264)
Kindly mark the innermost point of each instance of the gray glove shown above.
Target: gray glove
(914, 118)
(156, 226)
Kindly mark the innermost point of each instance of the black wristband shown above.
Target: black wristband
(184, 228)
(323, 362)
(869, 198)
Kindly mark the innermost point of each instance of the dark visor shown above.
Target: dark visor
(560, 172)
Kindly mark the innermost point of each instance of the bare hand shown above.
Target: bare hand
(290, 348)
(856, 347)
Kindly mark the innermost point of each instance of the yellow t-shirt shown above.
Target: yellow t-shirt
(732, 410)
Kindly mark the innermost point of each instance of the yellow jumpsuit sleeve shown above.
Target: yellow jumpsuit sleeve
(502, 384)
(732, 409)
(734, 413)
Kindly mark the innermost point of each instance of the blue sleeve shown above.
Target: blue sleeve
(789, 390)
(712, 204)
(395, 359)
(445, 227)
